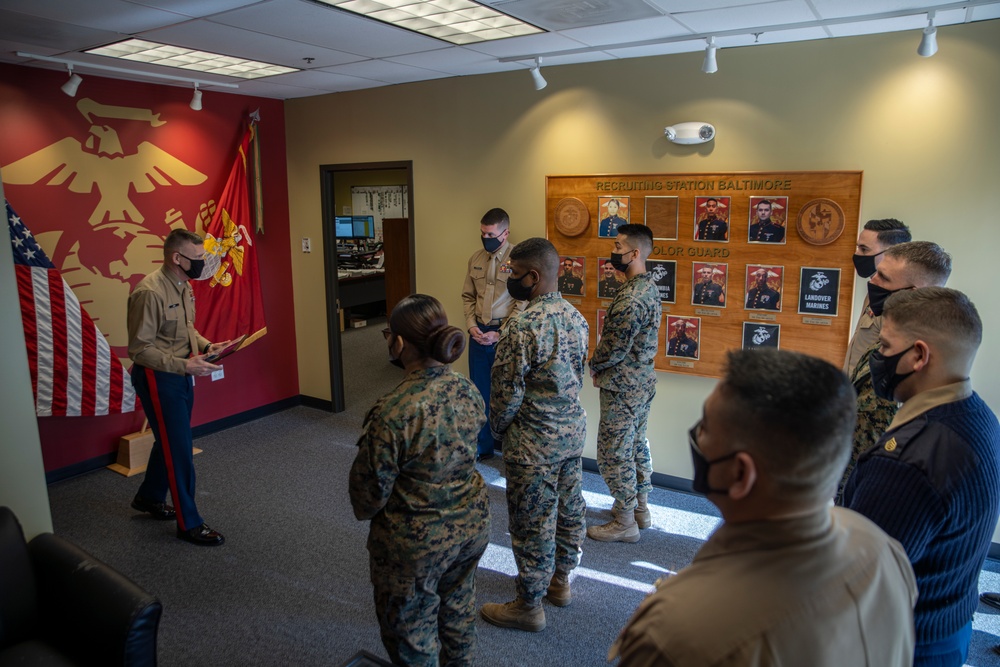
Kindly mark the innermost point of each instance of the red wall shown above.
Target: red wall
(93, 218)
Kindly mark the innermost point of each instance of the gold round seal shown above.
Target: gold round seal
(572, 216)
(820, 222)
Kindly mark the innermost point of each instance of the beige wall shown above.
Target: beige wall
(924, 130)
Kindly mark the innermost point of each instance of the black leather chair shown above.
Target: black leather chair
(61, 606)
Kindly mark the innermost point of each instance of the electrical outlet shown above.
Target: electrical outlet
(306, 245)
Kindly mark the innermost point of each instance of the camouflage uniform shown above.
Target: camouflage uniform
(874, 415)
(535, 407)
(623, 367)
(415, 478)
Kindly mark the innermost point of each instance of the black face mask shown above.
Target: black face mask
(877, 296)
(194, 271)
(616, 261)
(517, 290)
(702, 465)
(492, 245)
(883, 371)
(865, 264)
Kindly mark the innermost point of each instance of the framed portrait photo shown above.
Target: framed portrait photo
(572, 271)
(613, 212)
(763, 287)
(683, 337)
(768, 220)
(609, 279)
(708, 284)
(711, 219)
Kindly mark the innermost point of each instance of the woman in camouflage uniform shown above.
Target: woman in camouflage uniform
(415, 478)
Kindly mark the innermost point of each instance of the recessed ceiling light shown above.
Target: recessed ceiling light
(455, 21)
(142, 51)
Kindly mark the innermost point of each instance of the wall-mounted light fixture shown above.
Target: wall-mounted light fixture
(536, 75)
(710, 65)
(694, 132)
(71, 86)
(928, 40)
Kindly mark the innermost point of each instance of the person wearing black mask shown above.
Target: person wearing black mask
(786, 578)
(876, 237)
(168, 351)
(622, 367)
(904, 266)
(487, 305)
(932, 480)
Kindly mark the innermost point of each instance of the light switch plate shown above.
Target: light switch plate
(306, 245)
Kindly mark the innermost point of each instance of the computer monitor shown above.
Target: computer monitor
(364, 226)
(343, 226)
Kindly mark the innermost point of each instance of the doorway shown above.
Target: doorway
(335, 184)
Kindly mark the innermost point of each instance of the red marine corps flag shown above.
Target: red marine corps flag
(73, 372)
(230, 303)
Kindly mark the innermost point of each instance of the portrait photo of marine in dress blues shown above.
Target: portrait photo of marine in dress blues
(763, 284)
(708, 284)
(572, 272)
(759, 334)
(613, 212)
(711, 219)
(609, 279)
(683, 337)
(819, 291)
(768, 220)
(664, 274)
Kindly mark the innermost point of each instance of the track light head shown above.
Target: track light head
(928, 40)
(71, 86)
(196, 99)
(536, 75)
(710, 65)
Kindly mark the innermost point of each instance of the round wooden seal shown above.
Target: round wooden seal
(820, 222)
(572, 216)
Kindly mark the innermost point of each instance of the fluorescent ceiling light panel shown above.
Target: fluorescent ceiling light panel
(140, 50)
(455, 21)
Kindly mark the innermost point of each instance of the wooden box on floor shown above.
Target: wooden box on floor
(133, 453)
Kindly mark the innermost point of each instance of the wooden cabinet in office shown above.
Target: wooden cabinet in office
(397, 246)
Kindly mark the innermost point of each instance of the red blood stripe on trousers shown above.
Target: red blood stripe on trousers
(168, 458)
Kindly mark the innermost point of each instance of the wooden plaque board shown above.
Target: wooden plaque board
(818, 235)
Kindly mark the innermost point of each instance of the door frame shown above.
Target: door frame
(327, 173)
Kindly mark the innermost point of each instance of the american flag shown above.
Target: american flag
(73, 372)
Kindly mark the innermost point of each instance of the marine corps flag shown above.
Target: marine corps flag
(229, 302)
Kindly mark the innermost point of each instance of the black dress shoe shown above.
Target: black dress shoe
(202, 535)
(992, 599)
(161, 511)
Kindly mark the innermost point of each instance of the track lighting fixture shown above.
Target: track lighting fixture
(710, 65)
(928, 41)
(196, 98)
(536, 75)
(74, 82)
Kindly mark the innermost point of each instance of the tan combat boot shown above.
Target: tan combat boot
(643, 517)
(620, 529)
(517, 614)
(558, 593)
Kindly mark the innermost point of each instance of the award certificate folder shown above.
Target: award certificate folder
(226, 351)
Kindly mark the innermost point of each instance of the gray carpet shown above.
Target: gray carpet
(290, 586)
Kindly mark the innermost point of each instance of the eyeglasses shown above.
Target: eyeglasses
(693, 437)
(386, 333)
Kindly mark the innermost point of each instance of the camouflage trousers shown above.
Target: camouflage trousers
(427, 609)
(622, 448)
(546, 522)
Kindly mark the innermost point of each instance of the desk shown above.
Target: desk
(359, 290)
